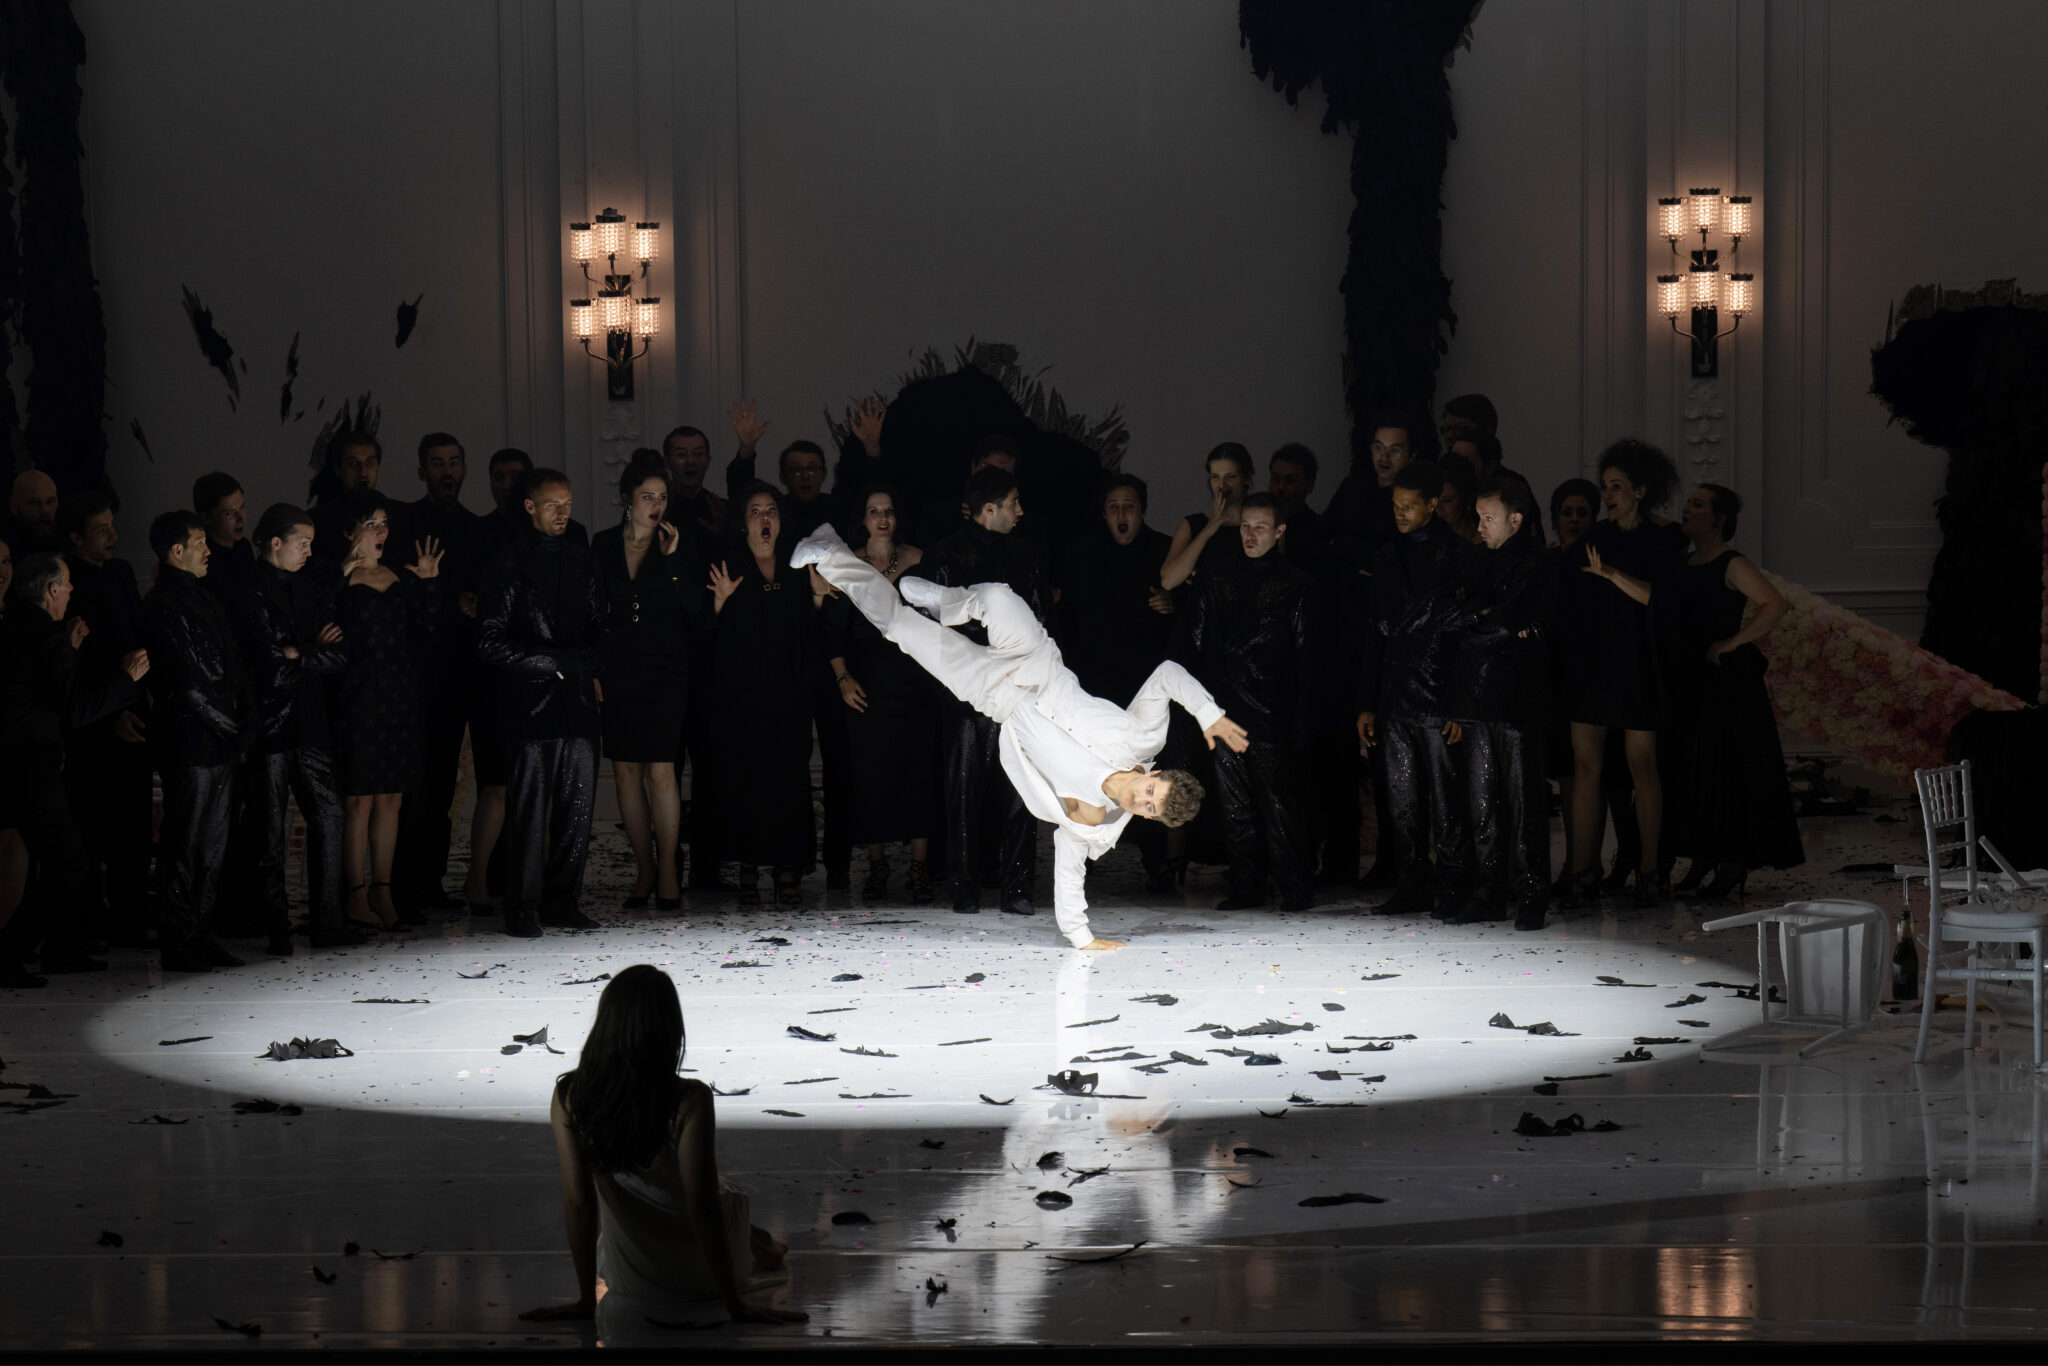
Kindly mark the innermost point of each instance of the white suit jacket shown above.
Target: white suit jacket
(1122, 738)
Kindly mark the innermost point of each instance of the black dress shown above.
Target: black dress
(646, 673)
(767, 650)
(1726, 794)
(1225, 546)
(1609, 640)
(894, 743)
(377, 710)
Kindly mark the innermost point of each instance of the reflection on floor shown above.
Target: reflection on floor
(1857, 1196)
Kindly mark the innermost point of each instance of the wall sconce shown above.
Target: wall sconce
(614, 310)
(1703, 289)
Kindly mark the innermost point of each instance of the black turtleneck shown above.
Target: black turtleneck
(1111, 637)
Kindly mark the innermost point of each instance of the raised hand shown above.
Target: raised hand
(866, 424)
(746, 424)
(667, 538)
(428, 563)
(1592, 564)
(723, 586)
(1229, 732)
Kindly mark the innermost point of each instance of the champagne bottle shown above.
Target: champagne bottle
(1905, 962)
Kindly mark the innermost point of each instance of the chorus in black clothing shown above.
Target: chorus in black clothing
(1612, 679)
(44, 693)
(108, 769)
(1357, 523)
(292, 646)
(767, 652)
(1729, 807)
(444, 656)
(1205, 539)
(692, 506)
(1251, 636)
(1500, 667)
(990, 837)
(218, 499)
(1455, 505)
(891, 702)
(801, 468)
(540, 632)
(378, 712)
(806, 506)
(202, 719)
(1403, 689)
(1114, 623)
(355, 460)
(654, 595)
(31, 523)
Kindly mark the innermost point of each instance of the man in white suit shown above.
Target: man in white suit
(1078, 762)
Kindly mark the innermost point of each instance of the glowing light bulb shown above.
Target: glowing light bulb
(1670, 294)
(581, 245)
(1738, 222)
(582, 319)
(611, 233)
(1671, 218)
(1741, 295)
(646, 242)
(647, 317)
(1702, 206)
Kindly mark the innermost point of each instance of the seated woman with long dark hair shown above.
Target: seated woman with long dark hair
(641, 1194)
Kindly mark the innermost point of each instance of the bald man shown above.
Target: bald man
(32, 513)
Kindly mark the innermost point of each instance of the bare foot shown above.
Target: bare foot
(1105, 945)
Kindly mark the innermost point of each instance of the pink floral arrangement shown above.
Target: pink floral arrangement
(1867, 693)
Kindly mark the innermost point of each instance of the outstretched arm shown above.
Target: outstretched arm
(1171, 683)
(1070, 891)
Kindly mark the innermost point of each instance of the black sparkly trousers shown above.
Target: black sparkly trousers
(1424, 802)
(1263, 824)
(550, 793)
(835, 772)
(49, 905)
(986, 821)
(268, 782)
(193, 843)
(1505, 803)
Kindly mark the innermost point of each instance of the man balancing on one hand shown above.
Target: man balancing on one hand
(1078, 761)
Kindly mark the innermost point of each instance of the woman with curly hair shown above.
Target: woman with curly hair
(1608, 640)
(641, 1195)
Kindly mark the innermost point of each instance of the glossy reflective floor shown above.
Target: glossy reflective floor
(1856, 1196)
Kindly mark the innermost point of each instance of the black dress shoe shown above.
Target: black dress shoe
(54, 963)
(16, 976)
(339, 937)
(1240, 903)
(280, 946)
(1296, 905)
(1018, 903)
(184, 959)
(1530, 916)
(522, 927)
(967, 902)
(838, 879)
(1406, 901)
(215, 955)
(568, 918)
(1377, 878)
(668, 903)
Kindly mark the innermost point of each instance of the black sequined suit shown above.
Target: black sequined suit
(1500, 680)
(292, 753)
(105, 773)
(540, 629)
(1250, 636)
(1340, 552)
(201, 721)
(44, 692)
(1403, 680)
(984, 816)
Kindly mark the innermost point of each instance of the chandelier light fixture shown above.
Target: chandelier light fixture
(1703, 289)
(614, 311)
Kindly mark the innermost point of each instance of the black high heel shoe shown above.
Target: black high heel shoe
(1690, 883)
(636, 902)
(1727, 880)
(1653, 888)
(1581, 889)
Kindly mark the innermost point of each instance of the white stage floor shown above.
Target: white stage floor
(1854, 1197)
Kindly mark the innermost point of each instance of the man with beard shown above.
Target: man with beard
(444, 659)
(32, 513)
(108, 769)
(540, 628)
